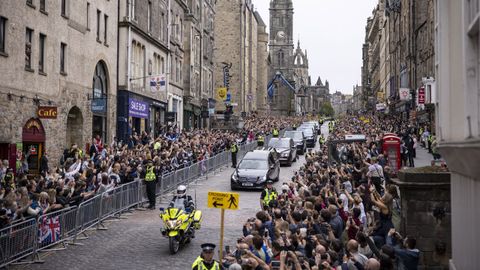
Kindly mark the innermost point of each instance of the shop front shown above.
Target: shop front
(188, 116)
(137, 114)
(157, 117)
(32, 148)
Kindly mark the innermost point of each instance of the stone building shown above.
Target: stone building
(198, 62)
(302, 97)
(143, 55)
(263, 64)
(457, 76)
(281, 54)
(318, 94)
(236, 54)
(63, 55)
(374, 47)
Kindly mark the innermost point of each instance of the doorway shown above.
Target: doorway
(74, 127)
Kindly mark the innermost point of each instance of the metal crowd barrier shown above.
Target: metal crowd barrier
(22, 239)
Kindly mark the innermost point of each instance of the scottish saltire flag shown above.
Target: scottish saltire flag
(49, 231)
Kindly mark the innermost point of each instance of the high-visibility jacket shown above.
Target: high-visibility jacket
(201, 266)
(260, 139)
(150, 175)
(234, 148)
(275, 132)
(157, 145)
(270, 195)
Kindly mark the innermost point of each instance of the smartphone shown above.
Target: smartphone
(275, 265)
(266, 233)
(227, 249)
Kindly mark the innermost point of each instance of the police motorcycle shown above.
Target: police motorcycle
(180, 220)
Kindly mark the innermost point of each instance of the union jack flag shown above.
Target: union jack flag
(49, 231)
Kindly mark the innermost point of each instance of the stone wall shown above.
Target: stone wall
(426, 215)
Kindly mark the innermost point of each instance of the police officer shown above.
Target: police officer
(234, 150)
(150, 181)
(205, 261)
(269, 194)
(321, 140)
(275, 132)
(260, 140)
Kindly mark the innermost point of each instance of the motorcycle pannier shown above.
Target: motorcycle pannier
(197, 218)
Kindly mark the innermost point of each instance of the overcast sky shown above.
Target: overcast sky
(333, 32)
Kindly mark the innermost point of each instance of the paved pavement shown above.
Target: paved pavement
(136, 242)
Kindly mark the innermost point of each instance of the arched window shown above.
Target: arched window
(100, 92)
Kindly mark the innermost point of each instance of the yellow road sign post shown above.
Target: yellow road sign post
(223, 200)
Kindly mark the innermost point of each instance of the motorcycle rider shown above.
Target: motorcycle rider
(205, 261)
(182, 200)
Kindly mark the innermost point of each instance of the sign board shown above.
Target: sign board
(381, 106)
(223, 200)
(221, 93)
(355, 137)
(404, 94)
(421, 95)
(137, 108)
(47, 112)
(170, 116)
(99, 105)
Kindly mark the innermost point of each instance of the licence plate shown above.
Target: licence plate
(247, 184)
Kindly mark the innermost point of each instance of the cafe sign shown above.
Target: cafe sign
(45, 112)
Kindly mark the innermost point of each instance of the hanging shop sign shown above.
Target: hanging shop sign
(137, 108)
(45, 112)
(421, 95)
(404, 94)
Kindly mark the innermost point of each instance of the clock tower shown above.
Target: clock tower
(281, 53)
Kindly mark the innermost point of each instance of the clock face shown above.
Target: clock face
(281, 34)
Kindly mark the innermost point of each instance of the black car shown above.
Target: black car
(314, 125)
(285, 147)
(310, 136)
(255, 169)
(298, 139)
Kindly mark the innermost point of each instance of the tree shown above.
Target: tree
(327, 109)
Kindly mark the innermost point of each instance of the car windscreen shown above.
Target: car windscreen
(279, 143)
(294, 135)
(308, 132)
(253, 164)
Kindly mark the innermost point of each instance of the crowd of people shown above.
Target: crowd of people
(343, 214)
(84, 173)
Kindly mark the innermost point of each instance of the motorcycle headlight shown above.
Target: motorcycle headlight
(171, 223)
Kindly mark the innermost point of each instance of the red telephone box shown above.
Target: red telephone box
(391, 150)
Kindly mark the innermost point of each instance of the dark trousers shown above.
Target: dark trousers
(410, 159)
(234, 159)
(151, 193)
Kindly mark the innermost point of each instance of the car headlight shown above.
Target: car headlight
(285, 154)
(264, 178)
(234, 177)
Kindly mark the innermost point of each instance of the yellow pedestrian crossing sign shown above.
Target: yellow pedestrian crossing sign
(223, 200)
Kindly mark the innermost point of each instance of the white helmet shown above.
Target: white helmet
(181, 190)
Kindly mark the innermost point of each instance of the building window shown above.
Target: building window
(162, 65)
(162, 27)
(98, 24)
(88, 16)
(3, 28)
(30, 3)
(180, 71)
(138, 66)
(63, 8)
(41, 53)
(28, 48)
(105, 32)
(181, 30)
(132, 10)
(43, 7)
(149, 17)
(63, 51)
